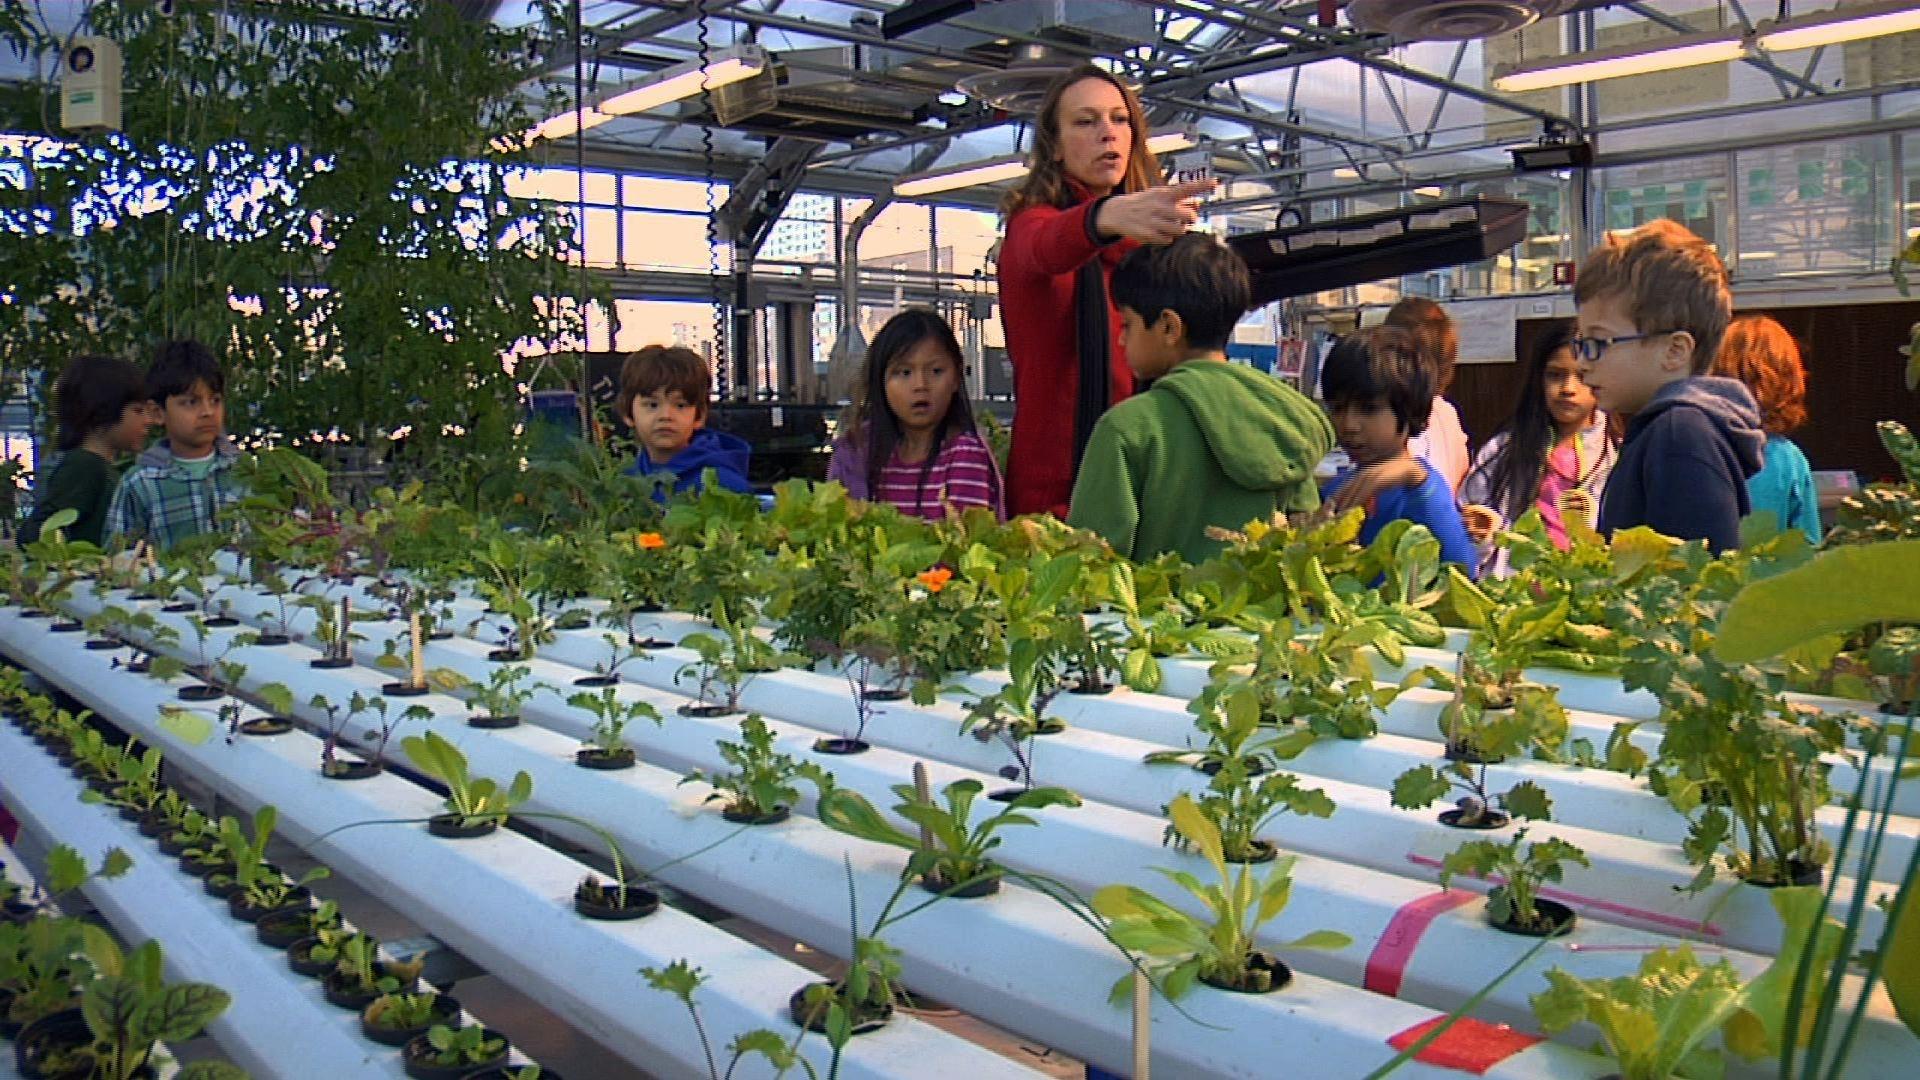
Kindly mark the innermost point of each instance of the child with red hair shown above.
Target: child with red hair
(1759, 352)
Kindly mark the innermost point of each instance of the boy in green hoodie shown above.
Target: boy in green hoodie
(1210, 443)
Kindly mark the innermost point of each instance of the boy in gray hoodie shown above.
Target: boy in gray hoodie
(1651, 310)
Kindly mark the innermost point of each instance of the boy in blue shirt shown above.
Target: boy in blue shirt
(663, 394)
(1379, 394)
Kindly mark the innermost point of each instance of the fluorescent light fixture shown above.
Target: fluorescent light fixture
(1431, 191)
(1667, 54)
(1759, 254)
(1838, 25)
(1012, 167)
(1168, 142)
(1345, 173)
(561, 125)
(1548, 238)
(684, 80)
(989, 171)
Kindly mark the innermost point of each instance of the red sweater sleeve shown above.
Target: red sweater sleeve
(1044, 249)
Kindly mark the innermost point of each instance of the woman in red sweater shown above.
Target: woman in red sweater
(1090, 195)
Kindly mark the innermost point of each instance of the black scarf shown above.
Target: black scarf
(1092, 329)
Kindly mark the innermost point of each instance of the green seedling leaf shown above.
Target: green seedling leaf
(1823, 596)
(188, 726)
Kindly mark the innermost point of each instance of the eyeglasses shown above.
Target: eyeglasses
(1588, 349)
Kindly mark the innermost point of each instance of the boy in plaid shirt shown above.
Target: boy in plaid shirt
(179, 485)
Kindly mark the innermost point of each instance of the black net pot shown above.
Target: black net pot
(446, 1010)
(606, 903)
(814, 1017)
(1265, 975)
(416, 1053)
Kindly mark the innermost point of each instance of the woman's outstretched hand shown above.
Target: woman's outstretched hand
(1158, 215)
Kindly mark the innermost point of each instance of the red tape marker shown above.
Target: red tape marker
(1387, 964)
(1470, 1045)
(9, 828)
(1627, 911)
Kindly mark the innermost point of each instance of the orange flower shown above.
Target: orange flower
(935, 579)
(649, 541)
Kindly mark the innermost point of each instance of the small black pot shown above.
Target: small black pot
(153, 825)
(450, 827)
(173, 845)
(415, 1054)
(67, 626)
(982, 886)
(505, 1072)
(1278, 976)
(272, 641)
(266, 725)
(1552, 920)
(8, 1028)
(1099, 689)
(279, 929)
(33, 613)
(1900, 708)
(351, 770)
(650, 644)
(62, 1031)
(1264, 851)
(705, 712)
(404, 689)
(179, 607)
(1492, 819)
(298, 960)
(446, 1011)
(130, 813)
(639, 903)
(1255, 766)
(493, 723)
(331, 663)
(1798, 873)
(865, 1019)
(205, 870)
(1470, 754)
(299, 900)
(597, 680)
(200, 693)
(343, 992)
(773, 817)
(15, 911)
(104, 644)
(506, 656)
(220, 886)
(841, 746)
(594, 757)
(222, 622)
(885, 693)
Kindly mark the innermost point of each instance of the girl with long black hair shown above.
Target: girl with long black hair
(1554, 455)
(909, 439)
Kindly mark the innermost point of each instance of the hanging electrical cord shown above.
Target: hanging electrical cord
(722, 347)
(583, 393)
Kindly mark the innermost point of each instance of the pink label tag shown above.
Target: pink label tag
(1469, 1045)
(1387, 964)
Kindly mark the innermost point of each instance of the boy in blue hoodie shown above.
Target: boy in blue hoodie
(663, 394)
(1651, 309)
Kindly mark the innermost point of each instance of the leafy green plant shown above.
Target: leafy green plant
(401, 1010)
(472, 1045)
(335, 636)
(1655, 1023)
(1016, 712)
(1167, 629)
(504, 692)
(1424, 785)
(388, 720)
(473, 800)
(611, 714)
(1522, 872)
(357, 964)
(138, 785)
(512, 586)
(763, 781)
(129, 1010)
(681, 979)
(730, 659)
(264, 887)
(1178, 947)
(952, 850)
(1241, 805)
(46, 961)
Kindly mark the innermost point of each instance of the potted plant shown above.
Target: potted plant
(1656, 1023)
(262, 890)
(764, 784)
(137, 788)
(275, 696)
(1478, 808)
(511, 585)
(445, 1053)
(950, 854)
(621, 650)
(1240, 805)
(607, 748)
(727, 662)
(681, 979)
(475, 805)
(1016, 713)
(496, 703)
(333, 627)
(123, 1014)
(1178, 947)
(279, 929)
(316, 956)
(147, 636)
(360, 975)
(1515, 904)
(396, 1019)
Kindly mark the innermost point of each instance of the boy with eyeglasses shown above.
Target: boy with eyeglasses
(1651, 308)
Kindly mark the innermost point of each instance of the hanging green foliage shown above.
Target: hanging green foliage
(321, 191)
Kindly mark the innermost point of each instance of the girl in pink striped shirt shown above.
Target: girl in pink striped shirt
(909, 439)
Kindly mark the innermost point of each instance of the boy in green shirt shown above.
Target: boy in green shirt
(1210, 443)
(177, 488)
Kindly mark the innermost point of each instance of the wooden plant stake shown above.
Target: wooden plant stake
(1142, 1022)
(923, 791)
(417, 671)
